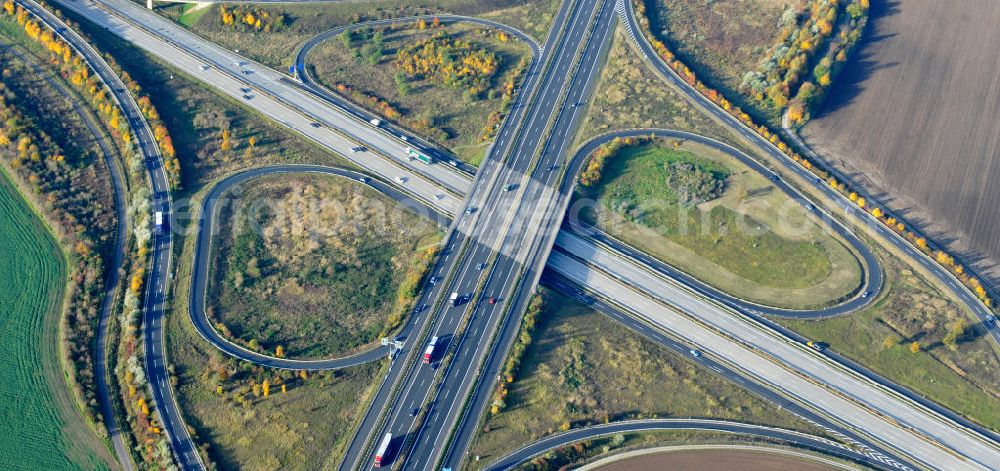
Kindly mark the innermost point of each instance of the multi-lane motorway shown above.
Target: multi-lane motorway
(305, 124)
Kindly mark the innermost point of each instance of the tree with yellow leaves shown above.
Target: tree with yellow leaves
(266, 387)
(136, 284)
(226, 144)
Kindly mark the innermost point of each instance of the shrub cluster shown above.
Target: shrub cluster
(85, 297)
(521, 344)
(451, 62)
(251, 19)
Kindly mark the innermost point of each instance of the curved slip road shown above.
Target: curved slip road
(111, 283)
(793, 438)
(118, 26)
(301, 70)
(160, 263)
(984, 314)
(845, 437)
(872, 276)
(203, 257)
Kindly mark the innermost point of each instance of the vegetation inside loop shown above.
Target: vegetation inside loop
(317, 266)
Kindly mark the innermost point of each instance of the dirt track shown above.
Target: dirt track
(714, 460)
(917, 116)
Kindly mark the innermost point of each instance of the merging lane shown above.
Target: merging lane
(160, 263)
(303, 123)
(488, 261)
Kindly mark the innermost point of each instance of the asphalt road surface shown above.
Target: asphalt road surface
(510, 191)
(301, 70)
(627, 13)
(221, 193)
(847, 439)
(789, 437)
(798, 371)
(280, 104)
(111, 283)
(160, 264)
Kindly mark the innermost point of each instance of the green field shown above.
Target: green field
(707, 213)
(583, 368)
(43, 428)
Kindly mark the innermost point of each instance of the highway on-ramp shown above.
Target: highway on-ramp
(850, 209)
(306, 124)
(790, 437)
(160, 262)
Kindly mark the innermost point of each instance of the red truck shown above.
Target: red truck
(429, 351)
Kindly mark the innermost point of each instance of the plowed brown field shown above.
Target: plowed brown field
(916, 115)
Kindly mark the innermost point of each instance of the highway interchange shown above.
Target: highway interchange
(528, 191)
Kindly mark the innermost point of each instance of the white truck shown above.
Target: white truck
(159, 225)
(382, 454)
(454, 299)
(375, 122)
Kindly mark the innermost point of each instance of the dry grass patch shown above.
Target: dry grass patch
(584, 368)
(276, 48)
(961, 372)
(454, 113)
(720, 41)
(630, 94)
(314, 264)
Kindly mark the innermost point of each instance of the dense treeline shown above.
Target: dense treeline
(857, 24)
(78, 329)
(811, 93)
(806, 32)
(74, 195)
(68, 184)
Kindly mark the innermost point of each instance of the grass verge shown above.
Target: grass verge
(274, 48)
(962, 374)
(707, 213)
(450, 112)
